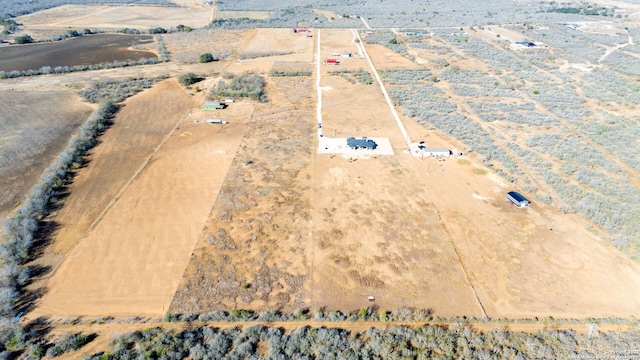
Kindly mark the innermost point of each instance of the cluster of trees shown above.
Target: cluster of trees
(388, 39)
(248, 84)
(116, 91)
(23, 39)
(361, 76)
(19, 231)
(283, 16)
(283, 73)
(45, 70)
(10, 26)
(189, 79)
(423, 342)
(162, 49)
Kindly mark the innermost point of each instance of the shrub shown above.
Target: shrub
(157, 30)
(206, 58)
(183, 28)
(67, 343)
(24, 39)
(189, 79)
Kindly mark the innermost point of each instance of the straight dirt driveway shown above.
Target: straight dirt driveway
(130, 262)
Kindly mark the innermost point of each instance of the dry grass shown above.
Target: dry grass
(27, 147)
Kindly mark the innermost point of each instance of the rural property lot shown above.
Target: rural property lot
(249, 215)
(125, 264)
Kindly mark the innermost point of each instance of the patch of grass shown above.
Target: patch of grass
(464, 162)
(479, 171)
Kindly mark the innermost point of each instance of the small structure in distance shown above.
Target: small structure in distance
(332, 62)
(362, 143)
(299, 30)
(421, 149)
(213, 105)
(517, 199)
(217, 121)
(527, 44)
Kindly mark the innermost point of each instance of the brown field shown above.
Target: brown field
(186, 47)
(138, 243)
(85, 50)
(249, 216)
(28, 147)
(99, 16)
(297, 47)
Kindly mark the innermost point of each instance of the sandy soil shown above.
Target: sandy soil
(130, 262)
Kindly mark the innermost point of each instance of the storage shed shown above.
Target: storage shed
(518, 200)
(212, 105)
(435, 151)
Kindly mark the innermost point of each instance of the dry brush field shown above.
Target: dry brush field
(171, 215)
(200, 219)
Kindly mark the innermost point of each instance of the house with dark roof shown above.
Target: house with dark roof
(362, 143)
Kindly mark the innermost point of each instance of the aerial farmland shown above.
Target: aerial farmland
(269, 175)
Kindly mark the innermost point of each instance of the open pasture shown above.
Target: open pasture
(34, 127)
(118, 17)
(85, 50)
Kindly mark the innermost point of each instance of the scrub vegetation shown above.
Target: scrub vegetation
(571, 143)
(422, 342)
(116, 91)
(247, 85)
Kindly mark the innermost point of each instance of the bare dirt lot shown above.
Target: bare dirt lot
(34, 127)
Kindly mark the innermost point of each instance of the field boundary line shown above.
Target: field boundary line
(146, 161)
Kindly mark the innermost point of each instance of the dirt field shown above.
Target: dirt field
(85, 50)
(145, 229)
(99, 16)
(28, 147)
(252, 252)
(272, 42)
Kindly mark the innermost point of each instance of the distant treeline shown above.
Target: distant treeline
(12, 8)
(67, 69)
